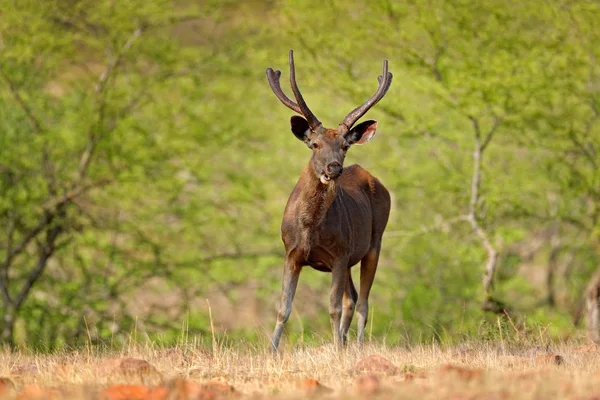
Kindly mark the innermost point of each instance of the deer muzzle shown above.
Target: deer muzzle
(332, 172)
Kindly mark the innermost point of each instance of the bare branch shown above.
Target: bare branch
(32, 234)
(490, 267)
(47, 218)
(46, 251)
(33, 120)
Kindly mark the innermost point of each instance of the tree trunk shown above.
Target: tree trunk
(592, 308)
(8, 327)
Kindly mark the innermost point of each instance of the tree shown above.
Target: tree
(79, 83)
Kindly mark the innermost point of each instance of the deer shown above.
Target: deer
(335, 216)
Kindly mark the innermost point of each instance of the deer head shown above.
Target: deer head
(329, 146)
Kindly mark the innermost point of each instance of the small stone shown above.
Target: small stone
(183, 388)
(376, 364)
(161, 393)
(367, 384)
(312, 387)
(134, 366)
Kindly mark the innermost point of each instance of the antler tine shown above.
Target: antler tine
(273, 78)
(313, 122)
(385, 81)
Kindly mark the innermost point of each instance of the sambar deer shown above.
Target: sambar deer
(335, 216)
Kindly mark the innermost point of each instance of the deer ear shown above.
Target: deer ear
(361, 133)
(300, 128)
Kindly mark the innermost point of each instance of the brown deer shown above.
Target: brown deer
(335, 216)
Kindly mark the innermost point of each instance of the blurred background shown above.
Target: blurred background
(145, 165)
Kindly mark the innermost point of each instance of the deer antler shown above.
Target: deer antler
(300, 107)
(385, 80)
(313, 122)
(273, 77)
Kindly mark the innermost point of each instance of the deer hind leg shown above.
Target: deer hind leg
(339, 274)
(368, 267)
(348, 304)
(291, 273)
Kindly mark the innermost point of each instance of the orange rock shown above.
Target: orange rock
(35, 392)
(367, 384)
(7, 387)
(186, 389)
(376, 364)
(462, 372)
(125, 392)
(183, 389)
(217, 390)
(312, 386)
(549, 359)
(160, 393)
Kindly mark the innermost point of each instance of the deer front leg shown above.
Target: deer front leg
(368, 267)
(291, 273)
(349, 302)
(338, 286)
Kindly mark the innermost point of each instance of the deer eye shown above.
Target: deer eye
(315, 145)
(345, 147)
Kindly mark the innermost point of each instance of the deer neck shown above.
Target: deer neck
(315, 200)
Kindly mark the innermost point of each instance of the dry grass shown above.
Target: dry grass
(424, 372)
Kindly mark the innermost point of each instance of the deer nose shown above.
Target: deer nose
(334, 169)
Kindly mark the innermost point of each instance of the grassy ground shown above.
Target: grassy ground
(563, 371)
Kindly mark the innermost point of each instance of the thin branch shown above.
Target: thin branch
(37, 127)
(476, 177)
(440, 50)
(46, 220)
(490, 268)
(93, 135)
(46, 251)
(32, 234)
(35, 123)
(4, 278)
(74, 194)
(492, 131)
